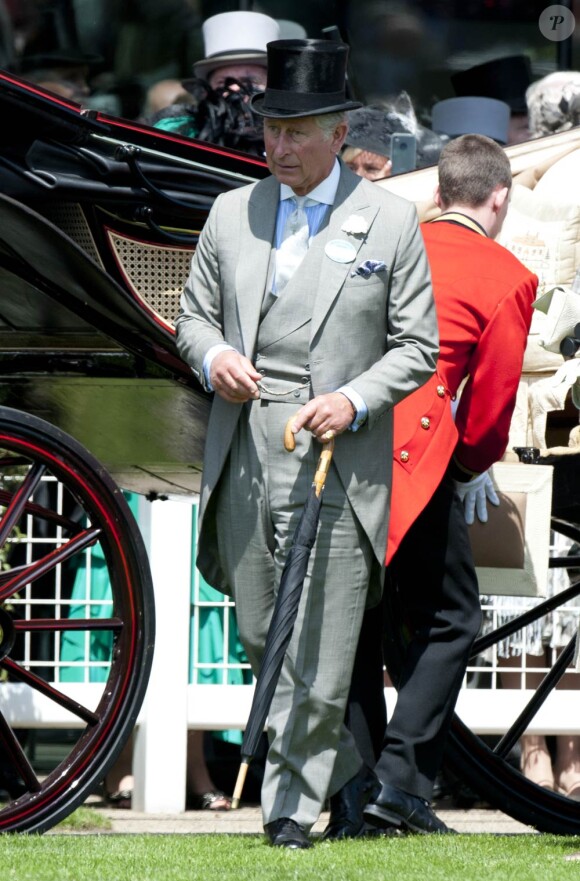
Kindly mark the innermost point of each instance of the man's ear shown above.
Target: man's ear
(339, 136)
(500, 197)
(437, 197)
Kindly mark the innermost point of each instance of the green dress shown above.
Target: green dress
(91, 597)
(182, 125)
(207, 642)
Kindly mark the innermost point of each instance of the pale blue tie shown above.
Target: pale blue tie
(294, 245)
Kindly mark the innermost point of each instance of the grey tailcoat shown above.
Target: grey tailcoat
(378, 334)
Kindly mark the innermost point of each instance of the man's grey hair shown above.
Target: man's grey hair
(328, 122)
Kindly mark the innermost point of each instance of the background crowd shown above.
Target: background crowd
(135, 60)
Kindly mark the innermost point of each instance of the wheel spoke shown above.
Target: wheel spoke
(18, 501)
(50, 624)
(36, 570)
(42, 513)
(13, 461)
(10, 573)
(22, 675)
(545, 688)
(18, 756)
(570, 530)
(567, 562)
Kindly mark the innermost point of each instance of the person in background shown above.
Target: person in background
(235, 46)
(163, 94)
(66, 72)
(554, 103)
(483, 296)
(263, 334)
(365, 163)
(234, 69)
(368, 143)
(53, 57)
(505, 79)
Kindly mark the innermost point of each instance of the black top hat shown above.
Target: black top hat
(62, 58)
(305, 78)
(55, 45)
(503, 78)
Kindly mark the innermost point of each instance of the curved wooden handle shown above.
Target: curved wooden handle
(289, 439)
(323, 462)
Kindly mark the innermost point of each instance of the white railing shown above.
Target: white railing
(177, 699)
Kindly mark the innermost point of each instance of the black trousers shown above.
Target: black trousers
(432, 583)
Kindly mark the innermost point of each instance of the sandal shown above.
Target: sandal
(572, 791)
(120, 799)
(209, 801)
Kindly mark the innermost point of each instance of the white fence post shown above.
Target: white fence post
(159, 761)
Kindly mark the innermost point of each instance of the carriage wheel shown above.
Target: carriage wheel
(486, 763)
(53, 492)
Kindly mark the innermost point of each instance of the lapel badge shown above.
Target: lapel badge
(340, 251)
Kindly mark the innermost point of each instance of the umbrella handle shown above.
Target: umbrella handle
(324, 461)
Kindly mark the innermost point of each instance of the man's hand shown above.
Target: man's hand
(325, 413)
(475, 494)
(233, 377)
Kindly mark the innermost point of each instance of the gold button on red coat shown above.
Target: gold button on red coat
(404, 456)
(441, 391)
(425, 422)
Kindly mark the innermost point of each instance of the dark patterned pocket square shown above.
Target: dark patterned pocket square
(368, 268)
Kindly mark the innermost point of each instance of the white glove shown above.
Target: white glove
(475, 494)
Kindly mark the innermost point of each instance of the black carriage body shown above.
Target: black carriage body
(98, 221)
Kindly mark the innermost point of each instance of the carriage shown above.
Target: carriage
(98, 220)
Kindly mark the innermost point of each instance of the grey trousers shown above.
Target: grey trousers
(259, 501)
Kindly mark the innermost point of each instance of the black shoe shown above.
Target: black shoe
(393, 807)
(286, 833)
(346, 806)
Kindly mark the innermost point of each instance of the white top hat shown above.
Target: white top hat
(472, 116)
(235, 38)
(291, 30)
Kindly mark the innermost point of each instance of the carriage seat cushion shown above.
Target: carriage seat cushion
(561, 182)
(544, 233)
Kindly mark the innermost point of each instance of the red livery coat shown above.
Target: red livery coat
(484, 297)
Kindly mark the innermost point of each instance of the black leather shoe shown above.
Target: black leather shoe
(346, 806)
(393, 807)
(286, 833)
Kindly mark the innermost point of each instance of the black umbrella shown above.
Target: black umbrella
(285, 611)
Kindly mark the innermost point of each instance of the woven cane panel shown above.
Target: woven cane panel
(69, 217)
(155, 273)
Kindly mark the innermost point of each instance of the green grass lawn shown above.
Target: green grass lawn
(107, 857)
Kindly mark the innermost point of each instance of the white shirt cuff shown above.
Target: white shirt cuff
(359, 405)
(209, 356)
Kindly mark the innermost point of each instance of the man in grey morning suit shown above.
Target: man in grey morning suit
(335, 345)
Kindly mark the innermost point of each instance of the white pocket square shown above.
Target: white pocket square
(368, 268)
